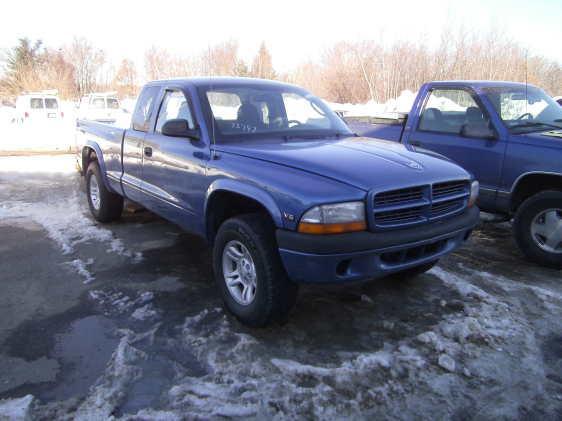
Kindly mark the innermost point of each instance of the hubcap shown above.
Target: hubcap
(239, 272)
(95, 193)
(546, 230)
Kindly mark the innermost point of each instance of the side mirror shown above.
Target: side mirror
(179, 127)
(478, 130)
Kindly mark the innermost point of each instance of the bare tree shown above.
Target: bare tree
(87, 61)
(125, 80)
(262, 66)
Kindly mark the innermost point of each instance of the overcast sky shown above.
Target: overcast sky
(293, 30)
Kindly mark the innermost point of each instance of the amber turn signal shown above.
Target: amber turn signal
(308, 228)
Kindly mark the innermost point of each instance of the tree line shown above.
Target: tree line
(348, 71)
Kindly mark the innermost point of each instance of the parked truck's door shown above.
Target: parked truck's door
(173, 166)
(454, 123)
(133, 144)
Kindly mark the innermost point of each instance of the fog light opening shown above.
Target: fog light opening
(343, 267)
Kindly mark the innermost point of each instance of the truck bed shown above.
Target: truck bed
(377, 127)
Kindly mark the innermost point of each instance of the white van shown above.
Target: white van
(101, 106)
(38, 105)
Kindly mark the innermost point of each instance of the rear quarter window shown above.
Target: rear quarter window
(145, 106)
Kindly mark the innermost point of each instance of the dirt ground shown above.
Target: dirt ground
(124, 320)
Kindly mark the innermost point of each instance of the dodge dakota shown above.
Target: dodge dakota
(279, 187)
(509, 136)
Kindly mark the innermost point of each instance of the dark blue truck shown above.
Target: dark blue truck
(279, 186)
(509, 136)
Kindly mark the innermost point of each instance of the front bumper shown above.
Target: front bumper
(365, 255)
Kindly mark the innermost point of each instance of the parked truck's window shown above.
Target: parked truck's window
(51, 103)
(145, 103)
(36, 103)
(525, 109)
(112, 103)
(269, 110)
(98, 103)
(174, 105)
(448, 110)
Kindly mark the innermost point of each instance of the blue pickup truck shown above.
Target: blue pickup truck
(509, 136)
(279, 186)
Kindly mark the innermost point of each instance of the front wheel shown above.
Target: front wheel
(249, 272)
(105, 205)
(537, 228)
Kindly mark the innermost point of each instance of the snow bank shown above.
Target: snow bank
(402, 104)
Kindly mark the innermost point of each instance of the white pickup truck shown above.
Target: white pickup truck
(102, 106)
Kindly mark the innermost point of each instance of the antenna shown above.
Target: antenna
(526, 82)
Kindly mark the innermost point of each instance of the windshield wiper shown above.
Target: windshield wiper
(534, 124)
(337, 135)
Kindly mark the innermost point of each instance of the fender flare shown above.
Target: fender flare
(248, 190)
(530, 173)
(93, 145)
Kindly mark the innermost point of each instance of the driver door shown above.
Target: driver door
(440, 128)
(173, 167)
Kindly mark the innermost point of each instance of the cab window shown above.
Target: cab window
(174, 106)
(145, 104)
(448, 110)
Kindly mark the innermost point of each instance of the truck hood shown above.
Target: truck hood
(361, 162)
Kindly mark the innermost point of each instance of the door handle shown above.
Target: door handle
(148, 151)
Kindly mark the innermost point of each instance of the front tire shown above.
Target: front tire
(249, 272)
(537, 227)
(105, 205)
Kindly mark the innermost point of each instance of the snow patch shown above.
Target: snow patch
(145, 312)
(122, 370)
(65, 223)
(82, 268)
(16, 409)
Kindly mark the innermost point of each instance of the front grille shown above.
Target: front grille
(418, 204)
(399, 196)
(449, 188)
(400, 216)
(444, 208)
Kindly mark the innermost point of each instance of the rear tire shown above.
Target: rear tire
(415, 271)
(244, 246)
(105, 205)
(529, 225)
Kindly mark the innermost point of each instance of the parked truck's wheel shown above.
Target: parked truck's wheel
(415, 271)
(105, 206)
(538, 228)
(249, 271)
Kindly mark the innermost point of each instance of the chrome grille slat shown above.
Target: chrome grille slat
(414, 205)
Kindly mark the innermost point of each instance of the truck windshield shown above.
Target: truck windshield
(525, 109)
(254, 111)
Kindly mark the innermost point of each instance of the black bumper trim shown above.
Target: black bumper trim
(365, 240)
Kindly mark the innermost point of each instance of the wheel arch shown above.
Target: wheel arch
(92, 152)
(226, 198)
(531, 183)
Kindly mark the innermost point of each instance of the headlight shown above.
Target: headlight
(334, 219)
(474, 191)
